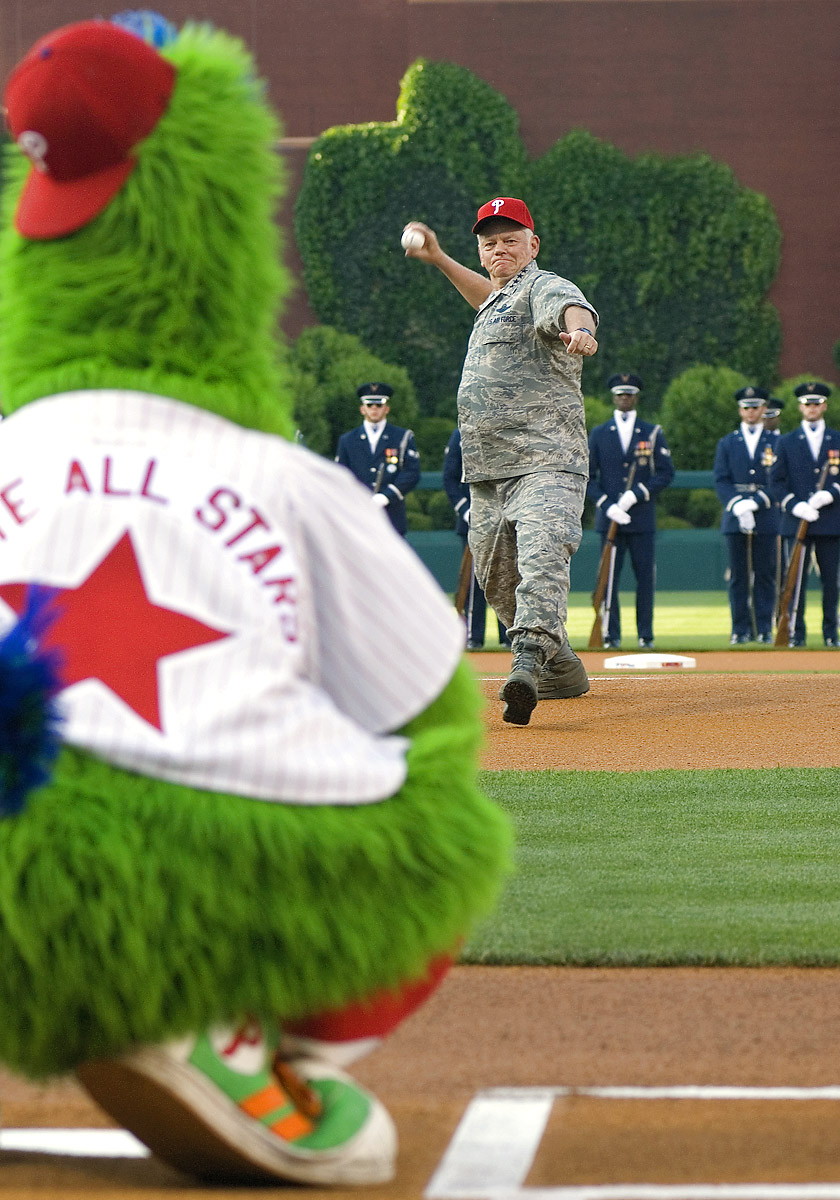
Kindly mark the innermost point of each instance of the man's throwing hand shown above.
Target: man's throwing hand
(428, 249)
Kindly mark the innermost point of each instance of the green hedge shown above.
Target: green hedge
(674, 253)
(676, 256)
(699, 408)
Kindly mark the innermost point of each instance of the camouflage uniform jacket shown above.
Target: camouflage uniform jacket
(520, 406)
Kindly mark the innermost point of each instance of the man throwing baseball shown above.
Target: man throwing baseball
(525, 452)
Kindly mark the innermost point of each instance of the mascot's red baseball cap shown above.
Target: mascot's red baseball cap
(504, 206)
(77, 104)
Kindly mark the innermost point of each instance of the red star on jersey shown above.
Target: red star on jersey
(107, 628)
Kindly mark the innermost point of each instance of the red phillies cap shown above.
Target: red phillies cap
(77, 104)
(504, 206)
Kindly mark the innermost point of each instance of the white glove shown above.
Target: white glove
(618, 515)
(380, 499)
(627, 500)
(746, 521)
(805, 511)
(744, 506)
(820, 499)
(466, 515)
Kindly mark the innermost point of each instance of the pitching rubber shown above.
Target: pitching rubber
(189, 1123)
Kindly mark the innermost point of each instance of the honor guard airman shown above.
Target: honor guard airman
(750, 520)
(623, 445)
(382, 456)
(806, 483)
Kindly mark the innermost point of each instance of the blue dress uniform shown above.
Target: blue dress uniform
(742, 476)
(458, 493)
(392, 467)
(795, 478)
(609, 467)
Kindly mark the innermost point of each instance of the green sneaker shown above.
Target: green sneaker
(220, 1108)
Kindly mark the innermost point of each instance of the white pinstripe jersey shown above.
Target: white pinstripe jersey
(234, 612)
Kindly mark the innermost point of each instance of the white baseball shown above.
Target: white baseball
(412, 239)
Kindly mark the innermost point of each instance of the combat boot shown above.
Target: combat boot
(519, 691)
(563, 677)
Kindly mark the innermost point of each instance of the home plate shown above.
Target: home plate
(647, 662)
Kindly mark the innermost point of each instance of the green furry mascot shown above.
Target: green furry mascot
(241, 836)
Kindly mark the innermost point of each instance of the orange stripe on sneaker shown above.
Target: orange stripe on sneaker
(261, 1103)
(292, 1127)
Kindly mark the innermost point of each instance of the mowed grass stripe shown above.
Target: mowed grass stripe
(668, 868)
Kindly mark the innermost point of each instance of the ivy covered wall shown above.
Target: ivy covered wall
(673, 252)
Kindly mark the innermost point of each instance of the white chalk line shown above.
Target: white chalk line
(496, 1141)
(657, 1191)
(495, 1144)
(620, 676)
(692, 1091)
(77, 1143)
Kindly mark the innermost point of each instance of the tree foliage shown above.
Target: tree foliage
(328, 366)
(676, 256)
(699, 407)
(673, 252)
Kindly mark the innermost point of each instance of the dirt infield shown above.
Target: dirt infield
(574, 1028)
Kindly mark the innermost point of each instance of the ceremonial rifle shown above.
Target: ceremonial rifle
(602, 596)
(793, 579)
(751, 583)
(465, 574)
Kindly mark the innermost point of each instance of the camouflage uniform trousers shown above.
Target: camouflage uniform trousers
(523, 533)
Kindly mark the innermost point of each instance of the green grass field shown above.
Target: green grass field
(683, 621)
(668, 867)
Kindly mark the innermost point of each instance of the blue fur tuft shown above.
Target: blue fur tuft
(148, 25)
(29, 722)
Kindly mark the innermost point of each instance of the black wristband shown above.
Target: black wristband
(583, 329)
